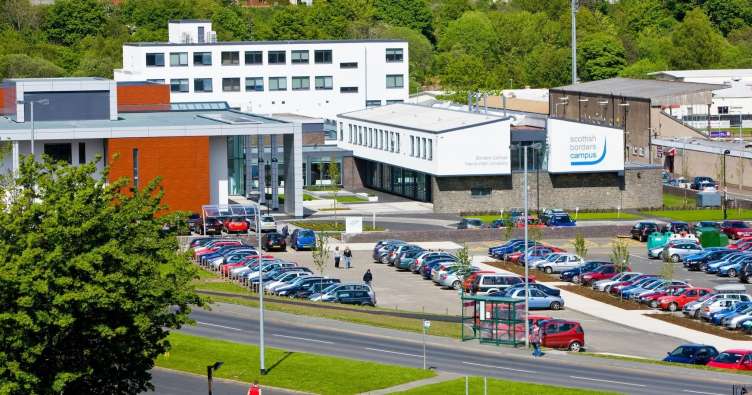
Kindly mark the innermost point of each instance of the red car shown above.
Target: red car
(602, 272)
(251, 259)
(236, 225)
(737, 359)
(736, 229)
(214, 246)
(536, 251)
(615, 288)
(741, 245)
(677, 302)
(651, 299)
(562, 334)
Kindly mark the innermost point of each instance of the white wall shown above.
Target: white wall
(369, 76)
(93, 147)
(186, 32)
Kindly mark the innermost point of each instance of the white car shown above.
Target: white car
(284, 280)
(604, 285)
(267, 224)
(561, 263)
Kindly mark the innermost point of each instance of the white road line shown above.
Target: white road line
(607, 381)
(219, 326)
(303, 338)
(700, 392)
(498, 367)
(640, 257)
(394, 352)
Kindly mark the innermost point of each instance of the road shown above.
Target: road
(170, 382)
(555, 371)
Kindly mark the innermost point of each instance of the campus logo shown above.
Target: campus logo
(586, 150)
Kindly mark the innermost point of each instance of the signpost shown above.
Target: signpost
(353, 225)
(426, 325)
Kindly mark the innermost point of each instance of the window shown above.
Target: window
(394, 54)
(297, 57)
(179, 59)
(81, 153)
(301, 83)
(202, 59)
(253, 57)
(348, 89)
(276, 57)
(135, 168)
(394, 101)
(322, 56)
(723, 110)
(155, 59)
(398, 142)
(424, 149)
(277, 83)
(231, 84)
(156, 81)
(373, 103)
(201, 34)
(179, 85)
(324, 82)
(412, 145)
(230, 58)
(202, 84)
(394, 81)
(348, 65)
(59, 152)
(417, 146)
(341, 132)
(430, 149)
(350, 134)
(254, 84)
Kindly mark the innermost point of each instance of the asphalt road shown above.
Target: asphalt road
(555, 371)
(170, 382)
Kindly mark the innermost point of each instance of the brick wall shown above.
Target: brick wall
(351, 173)
(143, 97)
(642, 188)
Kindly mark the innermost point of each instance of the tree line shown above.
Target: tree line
(459, 45)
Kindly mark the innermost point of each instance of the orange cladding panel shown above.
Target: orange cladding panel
(182, 162)
(143, 97)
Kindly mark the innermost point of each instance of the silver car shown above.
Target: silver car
(677, 251)
(560, 264)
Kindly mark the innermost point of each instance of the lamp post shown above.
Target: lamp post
(262, 363)
(725, 187)
(209, 370)
(43, 102)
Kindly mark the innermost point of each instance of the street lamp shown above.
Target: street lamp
(262, 363)
(209, 370)
(725, 188)
(43, 102)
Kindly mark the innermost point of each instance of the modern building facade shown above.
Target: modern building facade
(311, 78)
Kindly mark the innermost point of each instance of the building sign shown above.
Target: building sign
(353, 225)
(581, 148)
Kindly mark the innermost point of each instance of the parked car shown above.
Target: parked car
(677, 302)
(652, 298)
(540, 287)
(467, 283)
(736, 359)
(699, 183)
(454, 276)
(299, 284)
(210, 226)
(695, 262)
(561, 263)
(350, 297)
(599, 273)
(379, 247)
(408, 259)
(641, 230)
(273, 241)
(236, 225)
(605, 285)
(302, 239)
(675, 227)
(562, 334)
(494, 282)
(386, 252)
(538, 299)
(562, 220)
(470, 223)
(696, 354)
(316, 287)
(573, 275)
(720, 317)
(285, 279)
(192, 221)
(330, 293)
(396, 254)
(499, 223)
(428, 255)
(267, 224)
(677, 251)
(736, 229)
(657, 252)
(730, 259)
(618, 288)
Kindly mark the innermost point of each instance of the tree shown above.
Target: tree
(473, 33)
(24, 66)
(20, 14)
(154, 14)
(548, 66)
(68, 21)
(230, 25)
(600, 56)
(420, 52)
(620, 254)
(642, 68)
(320, 253)
(94, 288)
(667, 269)
(464, 260)
(728, 15)
(414, 14)
(334, 179)
(580, 247)
(696, 44)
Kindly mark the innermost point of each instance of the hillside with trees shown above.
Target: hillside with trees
(454, 44)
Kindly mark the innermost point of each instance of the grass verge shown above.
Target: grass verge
(292, 370)
(701, 326)
(330, 226)
(607, 215)
(675, 201)
(517, 269)
(659, 362)
(700, 215)
(603, 297)
(495, 386)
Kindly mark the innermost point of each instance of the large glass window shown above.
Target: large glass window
(254, 57)
(276, 57)
(155, 59)
(394, 54)
(59, 152)
(202, 59)
(179, 85)
(535, 157)
(324, 82)
(254, 84)
(230, 58)
(277, 83)
(202, 84)
(322, 56)
(299, 57)
(231, 84)
(301, 83)
(395, 81)
(178, 59)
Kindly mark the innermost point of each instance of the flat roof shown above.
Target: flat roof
(422, 118)
(710, 146)
(290, 117)
(706, 73)
(53, 79)
(643, 89)
(189, 21)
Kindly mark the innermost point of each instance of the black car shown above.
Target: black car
(697, 354)
(698, 183)
(641, 230)
(273, 241)
(695, 264)
(675, 227)
(316, 287)
(354, 297)
(574, 274)
(210, 226)
(193, 223)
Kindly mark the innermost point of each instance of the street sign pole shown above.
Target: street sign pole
(426, 325)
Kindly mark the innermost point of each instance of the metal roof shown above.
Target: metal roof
(713, 147)
(421, 118)
(281, 42)
(642, 89)
(717, 73)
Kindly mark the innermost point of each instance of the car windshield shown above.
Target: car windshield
(330, 288)
(306, 233)
(737, 224)
(686, 352)
(729, 357)
(267, 219)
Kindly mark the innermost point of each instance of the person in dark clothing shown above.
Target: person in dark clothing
(368, 277)
(348, 257)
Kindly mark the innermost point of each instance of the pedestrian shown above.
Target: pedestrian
(255, 389)
(535, 340)
(348, 257)
(285, 231)
(368, 277)
(337, 257)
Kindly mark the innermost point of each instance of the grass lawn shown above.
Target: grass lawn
(293, 370)
(674, 201)
(700, 215)
(501, 387)
(350, 199)
(330, 226)
(607, 215)
(487, 218)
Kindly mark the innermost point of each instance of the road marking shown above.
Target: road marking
(700, 392)
(607, 381)
(218, 326)
(644, 258)
(303, 338)
(393, 352)
(498, 367)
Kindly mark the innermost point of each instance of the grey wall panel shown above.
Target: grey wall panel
(68, 106)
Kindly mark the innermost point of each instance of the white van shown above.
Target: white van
(723, 296)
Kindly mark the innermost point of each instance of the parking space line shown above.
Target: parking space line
(218, 326)
(498, 367)
(393, 352)
(303, 338)
(700, 392)
(607, 381)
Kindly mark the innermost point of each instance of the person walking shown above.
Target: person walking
(337, 257)
(348, 257)
(255, 388)
(535, 340)
(368, 277)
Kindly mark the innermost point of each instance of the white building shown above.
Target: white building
(311, 78)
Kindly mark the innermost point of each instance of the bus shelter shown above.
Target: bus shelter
(492, 319)
(224, 211)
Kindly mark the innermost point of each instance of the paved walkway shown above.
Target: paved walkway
(428, 245)
(439, 378)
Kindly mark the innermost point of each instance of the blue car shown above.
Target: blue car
(740, 308)
(714, 267)
(732, 269)
(695, 261)
(697, 354)
(540, 287)
(302, 239)
(574, 274)
(636, 289)
(561, 220)
(501, 253)
(493, 250)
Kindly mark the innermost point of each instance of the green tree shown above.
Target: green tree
(19, 14)
(289, 23)
(69, 21)
(320, 254)
(101, 56)
(154, 14)
(600, 56)
(414, 14)
(230, 25)
(420, 52)
(620, 254)
(24, 66)
(94, 286)
(580, 246)
(548, 66)
(696, 43)
(642, 68)
(728, 15)
(473, 33)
